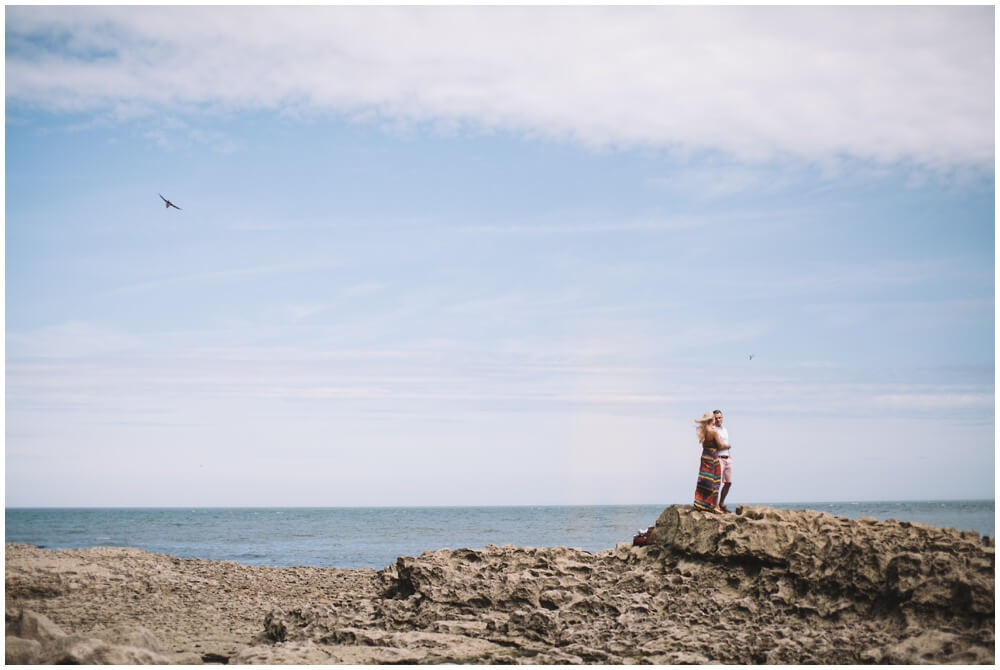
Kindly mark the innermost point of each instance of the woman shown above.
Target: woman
(706, 493)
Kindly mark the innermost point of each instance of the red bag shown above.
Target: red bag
(641, 538)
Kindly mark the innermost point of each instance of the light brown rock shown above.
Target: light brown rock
(33, 626)
(130, 636)
(81, 650)
(762, 586)
(21, 651)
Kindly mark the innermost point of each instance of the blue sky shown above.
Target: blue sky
(453, 256)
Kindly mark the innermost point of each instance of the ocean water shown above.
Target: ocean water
(372, 537)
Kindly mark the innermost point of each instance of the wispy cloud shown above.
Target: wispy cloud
(167, 131)
(577, 227)
(215, 276)
(882, 83)
(74, 339)
(959, 399)
(840, 314)
(716, 180)
(456, 381)
(840, 279)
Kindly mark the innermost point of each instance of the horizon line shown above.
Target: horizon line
(552, 505)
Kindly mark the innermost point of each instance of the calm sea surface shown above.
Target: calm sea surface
(372, 537)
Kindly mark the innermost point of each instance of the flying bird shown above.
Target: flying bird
(751, 357)
(169, 204)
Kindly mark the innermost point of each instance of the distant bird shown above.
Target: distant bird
(169, 204)
(751, 357)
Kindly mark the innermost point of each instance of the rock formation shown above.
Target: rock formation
(33, 639)
(761, 586)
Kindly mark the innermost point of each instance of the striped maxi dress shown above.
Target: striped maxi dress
(706, 492)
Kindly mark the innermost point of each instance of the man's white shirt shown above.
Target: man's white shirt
(724, 440)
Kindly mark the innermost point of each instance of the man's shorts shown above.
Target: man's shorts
(727, 469)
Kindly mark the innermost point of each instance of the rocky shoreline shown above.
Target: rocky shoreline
(760, 586)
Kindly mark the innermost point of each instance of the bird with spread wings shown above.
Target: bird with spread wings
(169, 204)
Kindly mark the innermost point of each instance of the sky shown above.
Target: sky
(497, 256)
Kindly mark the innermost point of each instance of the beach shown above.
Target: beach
(764, 585)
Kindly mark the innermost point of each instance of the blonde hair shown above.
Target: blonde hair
(704, 421)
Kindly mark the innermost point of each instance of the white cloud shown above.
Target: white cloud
(887, 84)
(236, 274)
(867, 278)
(74, 339)
(575, 227)
(936, 401)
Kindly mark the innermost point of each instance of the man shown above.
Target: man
(724, 460)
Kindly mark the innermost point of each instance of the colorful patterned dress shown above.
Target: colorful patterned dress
(706, 493)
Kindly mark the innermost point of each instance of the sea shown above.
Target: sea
(373, 537)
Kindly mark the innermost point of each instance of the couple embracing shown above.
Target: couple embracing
(716, 467)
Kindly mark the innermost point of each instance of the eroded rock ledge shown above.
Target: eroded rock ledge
(761, 586)
(831, 564)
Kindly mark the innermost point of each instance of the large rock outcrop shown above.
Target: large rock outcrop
(832, 564)
(762, 586)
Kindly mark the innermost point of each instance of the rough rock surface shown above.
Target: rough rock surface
(32, 638)
(762, 586)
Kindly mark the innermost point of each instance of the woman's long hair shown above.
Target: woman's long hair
(703, 422)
